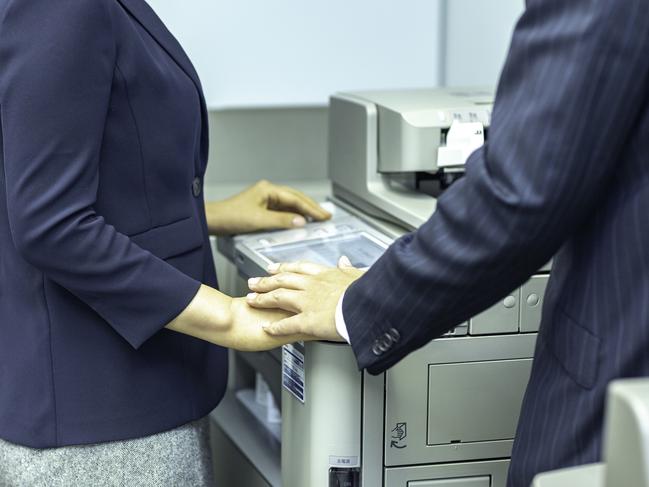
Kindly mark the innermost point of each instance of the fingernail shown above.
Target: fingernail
(273, 267)
(251, 296)
(344, 262)
(299, 221)
(253, 280)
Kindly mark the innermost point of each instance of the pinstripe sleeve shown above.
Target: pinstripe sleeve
(574, 83)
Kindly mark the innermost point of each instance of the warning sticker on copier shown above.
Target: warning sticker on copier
(293, 370)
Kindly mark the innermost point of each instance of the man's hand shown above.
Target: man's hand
(263, 206)
(230, 322)
(312, 291)
(246, 332)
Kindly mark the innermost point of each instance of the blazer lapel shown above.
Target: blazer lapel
(150, 21)
(145, 15)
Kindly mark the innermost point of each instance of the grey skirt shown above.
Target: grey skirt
(180, 457)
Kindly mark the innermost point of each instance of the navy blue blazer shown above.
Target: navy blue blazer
(565, 172)
(103, 237)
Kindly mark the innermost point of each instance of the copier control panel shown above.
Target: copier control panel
(323, 243)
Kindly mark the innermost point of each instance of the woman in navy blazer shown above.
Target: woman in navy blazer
(103, 232)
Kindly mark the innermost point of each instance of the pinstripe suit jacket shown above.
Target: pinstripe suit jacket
(566, 173)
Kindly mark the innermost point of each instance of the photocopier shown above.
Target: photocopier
(446, 415)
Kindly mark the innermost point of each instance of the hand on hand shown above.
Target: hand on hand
(247, 333)
(263, 206)
(230, 322)
(312, 291)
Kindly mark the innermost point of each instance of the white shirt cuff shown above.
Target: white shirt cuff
(341, 327)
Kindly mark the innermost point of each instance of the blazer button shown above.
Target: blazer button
(197, 187)
(376, 350)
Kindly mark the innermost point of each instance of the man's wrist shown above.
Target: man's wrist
(341, 326)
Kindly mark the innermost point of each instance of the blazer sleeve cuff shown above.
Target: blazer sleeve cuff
(159, 298)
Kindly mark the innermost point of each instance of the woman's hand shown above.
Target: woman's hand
(230, 322)
(311, 291)
(263, 206)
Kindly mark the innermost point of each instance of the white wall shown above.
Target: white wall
(297, 52)
(478, 37)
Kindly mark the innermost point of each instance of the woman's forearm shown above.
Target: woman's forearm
(207, 316)
(229, 322)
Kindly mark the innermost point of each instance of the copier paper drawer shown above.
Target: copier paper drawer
(475, 474)
(457, 399)
(475, 401)
(465, 482)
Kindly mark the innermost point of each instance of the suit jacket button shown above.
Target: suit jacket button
(197, 187)
(376, 350)
(385, 344)
(394, 334)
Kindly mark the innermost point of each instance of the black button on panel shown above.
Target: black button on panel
(197, 187)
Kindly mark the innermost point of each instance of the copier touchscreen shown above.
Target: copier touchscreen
(360, 248)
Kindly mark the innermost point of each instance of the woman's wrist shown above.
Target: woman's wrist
(208, 316)
(216, 213)
(229, 322)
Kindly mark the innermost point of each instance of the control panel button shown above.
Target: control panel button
(533, 299)
(509, 302)
(532, 303)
